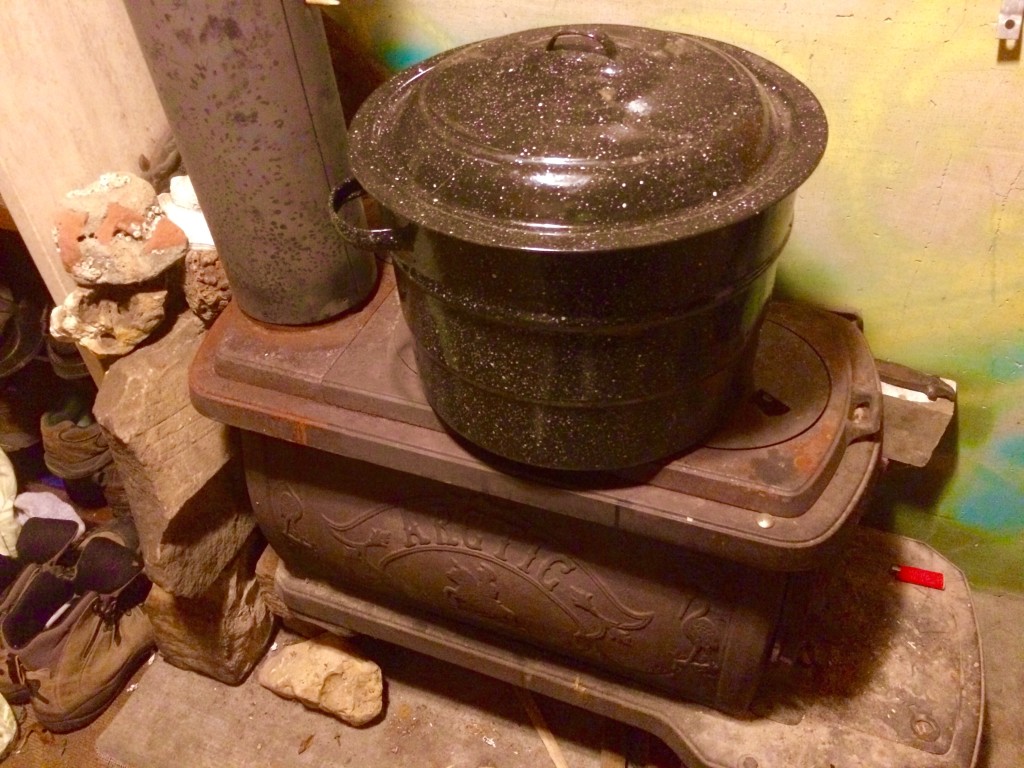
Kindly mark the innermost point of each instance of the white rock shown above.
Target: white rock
(107, 326)
(183, 193)
(191, 221)
(328, 674)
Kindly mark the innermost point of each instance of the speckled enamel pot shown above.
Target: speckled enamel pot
(588, 221)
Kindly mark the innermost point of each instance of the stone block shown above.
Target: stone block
(222, 633)
(329, 674)
(181, 471)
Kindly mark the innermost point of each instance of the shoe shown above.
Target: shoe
(79, 639)
(10, 568)
(43, 544)
(41, 541)
(23, 331)
(24, 398)
(7, 306)
(75, 449)
(65, 359)
(94, 639)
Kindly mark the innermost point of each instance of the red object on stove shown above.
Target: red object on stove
(919, 576)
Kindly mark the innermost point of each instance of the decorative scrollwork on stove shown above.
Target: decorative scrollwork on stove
(287, 505)
(475, 589)
(701, 638)
(494, 570)
(373, 538)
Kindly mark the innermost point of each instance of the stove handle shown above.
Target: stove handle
(865, 418)
(384, 239)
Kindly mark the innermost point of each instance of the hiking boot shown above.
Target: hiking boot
(42, 541)
(65, 358)
(24, 398)
(43, 544)
(99, 637)
(75, 449)
(28, 620)
(78, 639)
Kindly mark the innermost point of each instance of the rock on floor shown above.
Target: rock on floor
(329, 674)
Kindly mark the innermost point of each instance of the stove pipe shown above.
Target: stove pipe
(250, 94)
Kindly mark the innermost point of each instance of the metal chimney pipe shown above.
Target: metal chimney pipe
(250, 94)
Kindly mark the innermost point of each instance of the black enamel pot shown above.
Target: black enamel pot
(588, 222)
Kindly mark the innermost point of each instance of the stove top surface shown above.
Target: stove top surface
(772, 487)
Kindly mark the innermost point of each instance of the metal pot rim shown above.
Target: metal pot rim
(422, 147)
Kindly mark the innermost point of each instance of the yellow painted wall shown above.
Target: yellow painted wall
(915, 217)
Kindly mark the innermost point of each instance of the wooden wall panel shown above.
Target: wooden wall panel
(76, 101)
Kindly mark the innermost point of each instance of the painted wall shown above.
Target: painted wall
(915, 217)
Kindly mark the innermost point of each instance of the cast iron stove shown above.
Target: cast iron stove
(724, 600)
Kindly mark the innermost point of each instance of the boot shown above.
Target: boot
(73, 637)
(102, 638)
(43, 545)
(75, 449)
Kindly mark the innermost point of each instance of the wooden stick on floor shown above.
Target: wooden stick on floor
(548, 738)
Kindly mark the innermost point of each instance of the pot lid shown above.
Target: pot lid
(588, 138)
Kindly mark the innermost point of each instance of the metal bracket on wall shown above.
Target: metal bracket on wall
(918, 410)
(1008, 29)
(1011, 14)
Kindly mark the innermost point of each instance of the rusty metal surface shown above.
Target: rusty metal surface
(816, 393)
(290, 359)
(894, 677)
(334, 407)
(774, 454)
(251, 97)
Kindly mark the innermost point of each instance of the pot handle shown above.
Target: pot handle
(865, 417)
(607, 44)
(387, 239)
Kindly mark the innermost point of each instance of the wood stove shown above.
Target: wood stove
(725, 600)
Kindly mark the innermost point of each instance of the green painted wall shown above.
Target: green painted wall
(915, 217)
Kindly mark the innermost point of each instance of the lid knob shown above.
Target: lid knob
(607, 44)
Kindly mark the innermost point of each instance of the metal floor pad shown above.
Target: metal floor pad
(891, 673)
